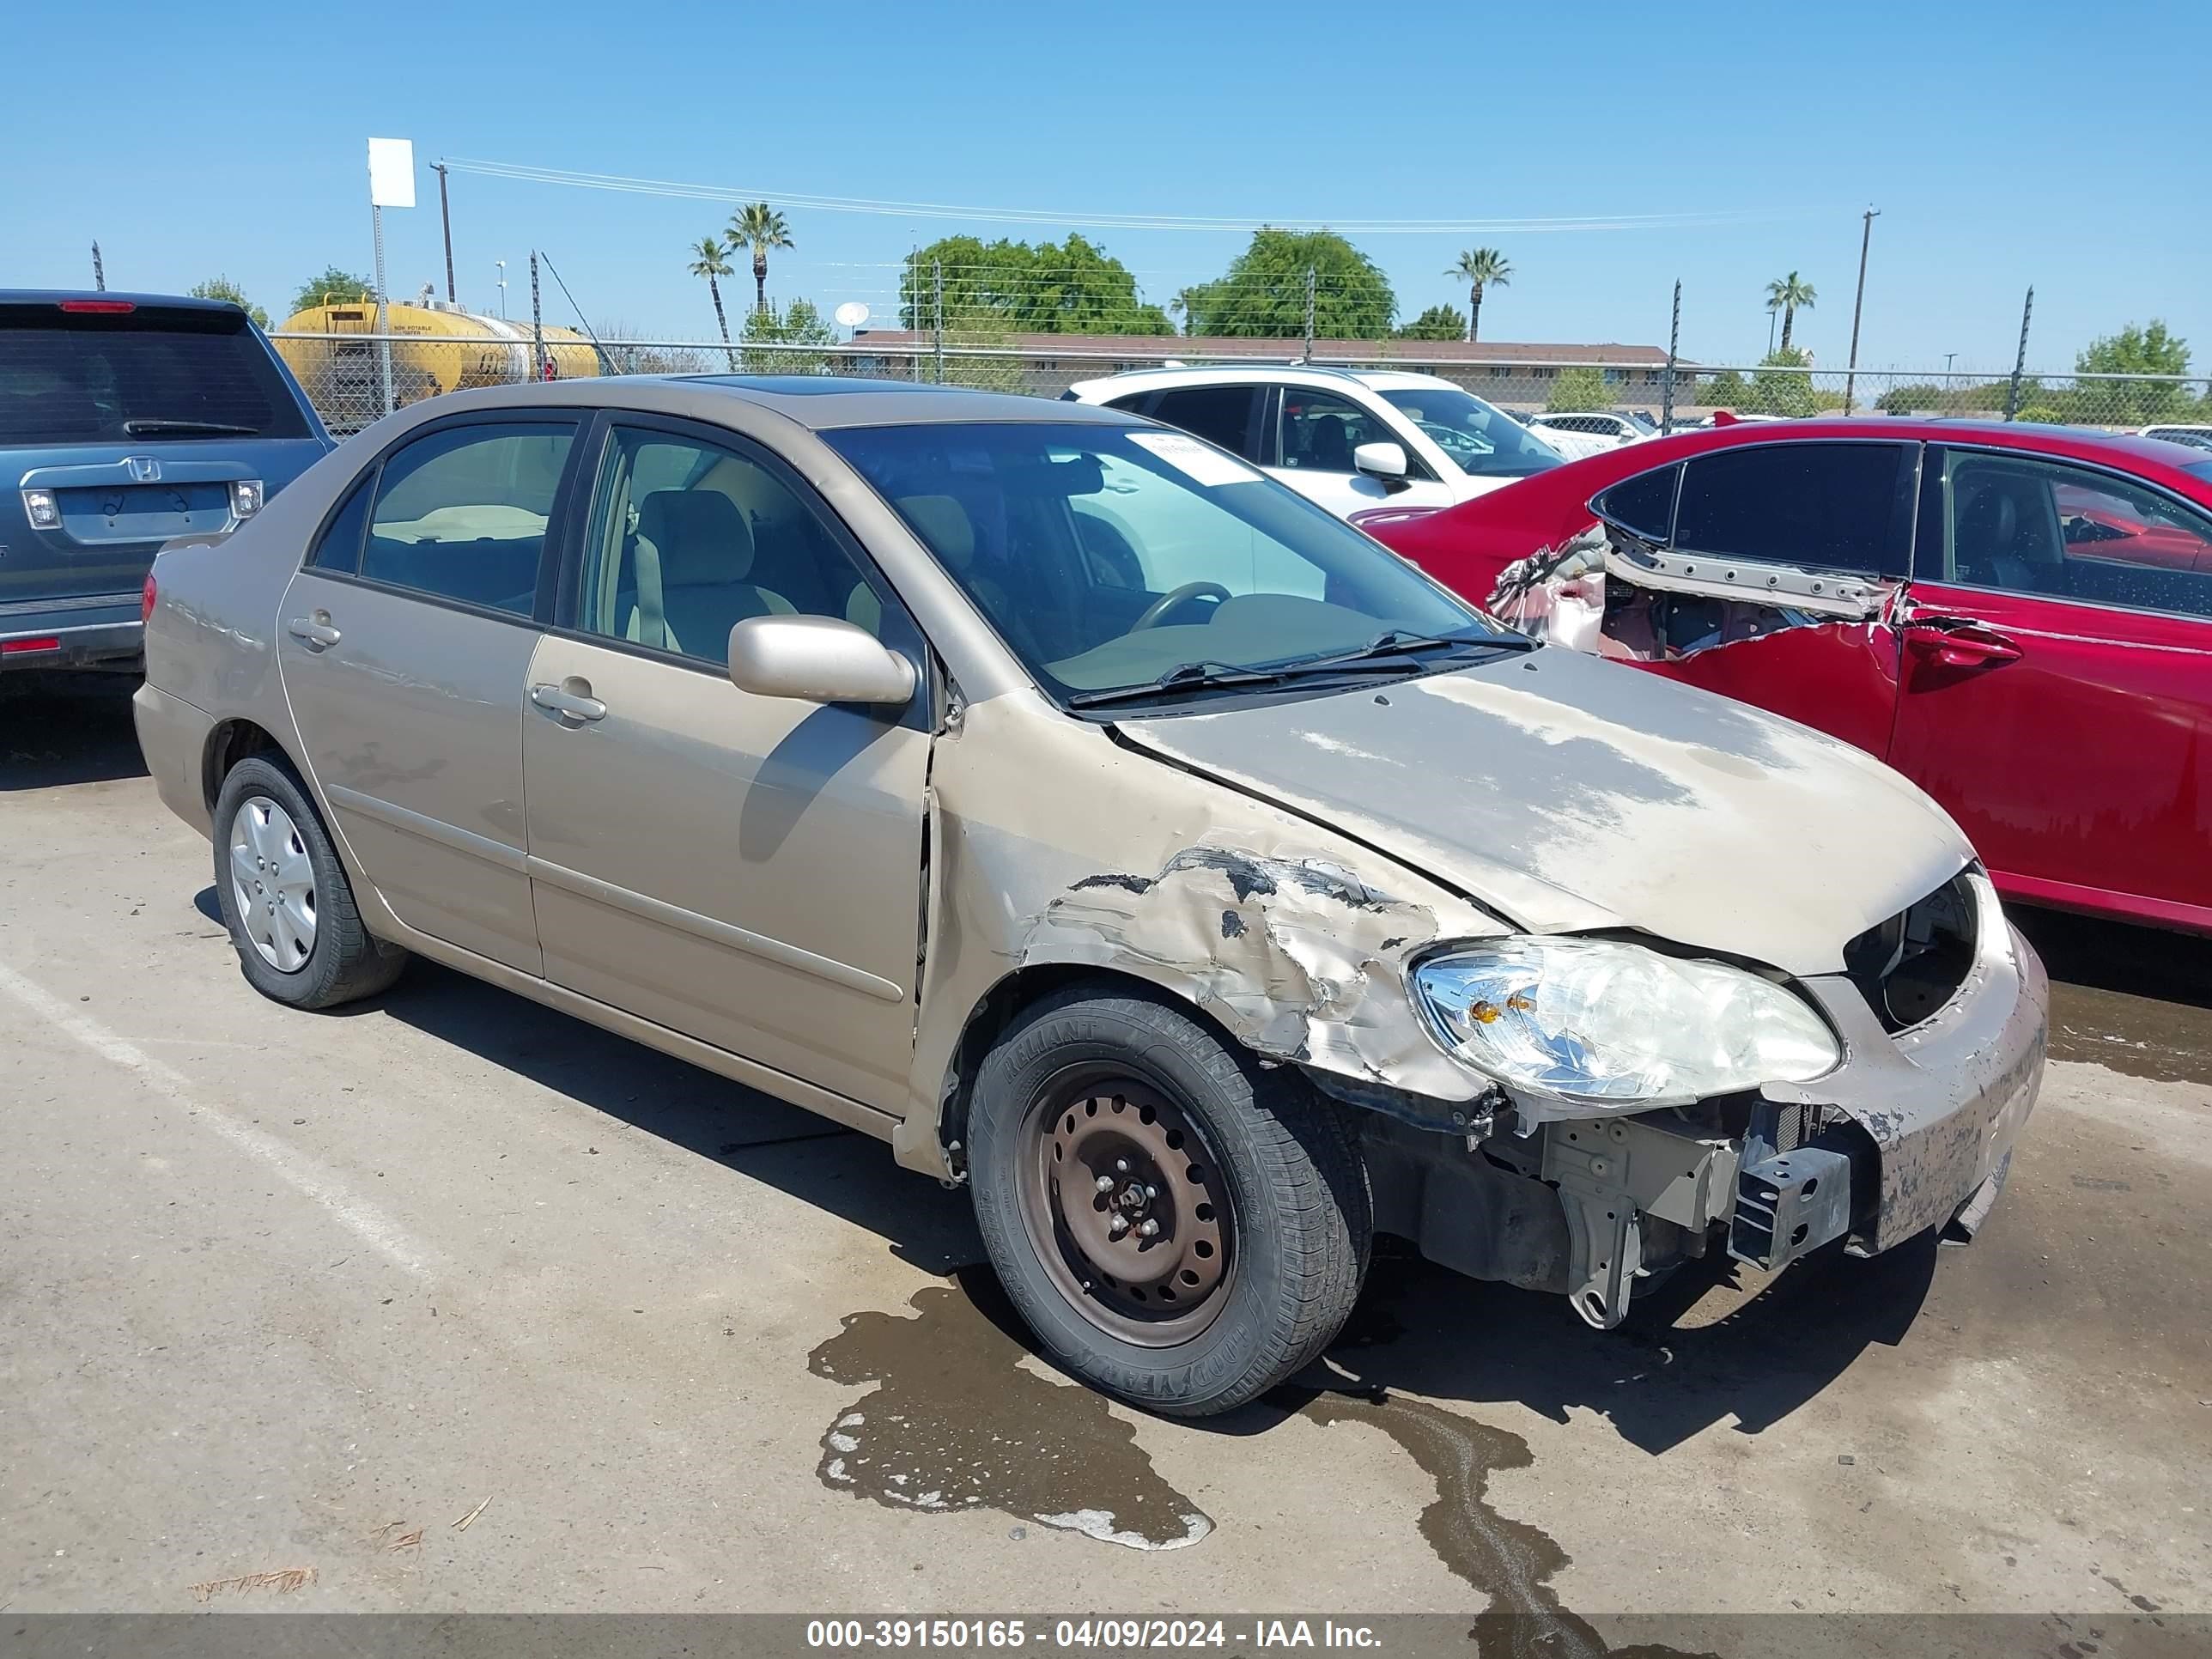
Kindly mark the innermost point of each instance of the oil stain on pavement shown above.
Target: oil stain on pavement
(1510, 1561)
(954, 1422)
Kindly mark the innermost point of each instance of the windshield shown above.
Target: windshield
(1480, 440)
(137, 375)
(2199, 468)
(1110, 557)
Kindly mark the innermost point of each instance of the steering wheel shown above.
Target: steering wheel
(1167, 602)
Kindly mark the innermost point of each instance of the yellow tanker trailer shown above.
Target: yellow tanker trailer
(436, 349)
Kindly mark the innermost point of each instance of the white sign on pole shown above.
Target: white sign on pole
(392, 172)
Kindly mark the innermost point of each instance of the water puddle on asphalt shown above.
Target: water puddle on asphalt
(954, 1422)
(2136, 1035)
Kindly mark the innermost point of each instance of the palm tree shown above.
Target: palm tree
(1479, 268)
(711, 259)
(1787, 295)
(760, 227)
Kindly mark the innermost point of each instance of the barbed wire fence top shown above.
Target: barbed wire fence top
(1039, 331)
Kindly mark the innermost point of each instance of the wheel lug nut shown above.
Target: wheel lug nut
(1121, 1164)
(1105, 1183)
(1151, 1192)
(1118, 1226)
(1148, 1228)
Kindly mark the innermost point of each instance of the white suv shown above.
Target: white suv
(1349, 440)
(1594, 432)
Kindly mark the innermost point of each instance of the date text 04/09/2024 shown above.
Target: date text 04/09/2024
(1084, 1635)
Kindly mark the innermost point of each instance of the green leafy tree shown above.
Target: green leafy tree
(1782, 384)
(759, 226)
(333, 288)
(1009, 287)
(711, 259)
(1579, 389)
(1479, 268)
(1436, 323)
(1263, 292)
(222, 288)
(1726, 390)
(798, 324)
(2145, 350)
(1789, 295)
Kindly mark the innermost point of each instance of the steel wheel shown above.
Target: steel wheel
(1126, 1205)
(272, 884)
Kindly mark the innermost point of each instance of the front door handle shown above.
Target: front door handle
(315, 631)
(571, 699)
(1957, 641)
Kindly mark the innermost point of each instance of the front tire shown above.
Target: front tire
(1181, 1227)
(285, 897)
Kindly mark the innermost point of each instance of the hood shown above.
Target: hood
(1567, 793)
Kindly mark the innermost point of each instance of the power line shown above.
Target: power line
(525, 172)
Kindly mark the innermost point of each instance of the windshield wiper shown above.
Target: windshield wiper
(1401, 643)
(1183, 677)
(145, 428)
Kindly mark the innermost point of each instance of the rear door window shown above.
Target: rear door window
(1219, 414)
(1818, 506)
(462, 513)
(338, 548)
(141, 376)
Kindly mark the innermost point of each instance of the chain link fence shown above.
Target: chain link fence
(345, 375)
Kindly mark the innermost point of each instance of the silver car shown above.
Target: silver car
(1105, 827)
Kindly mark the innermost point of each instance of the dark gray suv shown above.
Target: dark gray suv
(125, 421)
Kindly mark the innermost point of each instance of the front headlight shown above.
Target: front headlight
(1609, 1024)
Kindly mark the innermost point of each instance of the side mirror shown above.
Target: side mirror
(816, 660)
(1384, 462)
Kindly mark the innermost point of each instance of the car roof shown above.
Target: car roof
(1319, 374)
(821, 403)
(55, 296)
(2084, 443)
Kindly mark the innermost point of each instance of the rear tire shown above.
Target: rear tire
(285, 897)
(1099, 1113)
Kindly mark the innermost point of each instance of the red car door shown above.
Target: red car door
(1823, 507)
(2058, 680)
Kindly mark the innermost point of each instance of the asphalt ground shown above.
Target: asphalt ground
(289, 1294)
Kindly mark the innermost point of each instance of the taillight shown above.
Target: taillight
(24, 647)
(246, 498)
(107, 307)
(147, 597)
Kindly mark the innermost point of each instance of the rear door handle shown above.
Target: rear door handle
(1957, 641)
(570, 705)
(315, 631)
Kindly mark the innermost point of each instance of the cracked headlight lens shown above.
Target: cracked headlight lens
(1610, 1023)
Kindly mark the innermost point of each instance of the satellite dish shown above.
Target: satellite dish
(851, 314)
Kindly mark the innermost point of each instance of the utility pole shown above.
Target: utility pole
(1851, 374)
(937, 282)
(1667, 384)
(2020, 360)
(1948, 356)
(538, 358)
(1310, 315)
(98, 272)
(501, 264)
(445, 219)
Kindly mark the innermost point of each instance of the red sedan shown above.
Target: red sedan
(2017, 618)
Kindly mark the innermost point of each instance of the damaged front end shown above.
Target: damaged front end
(1940, 1021)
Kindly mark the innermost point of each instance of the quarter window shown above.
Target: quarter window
(690, 539)
(1822, 505)
(462, 514)
(2045, 528)
(338, 548)
(1644, 504)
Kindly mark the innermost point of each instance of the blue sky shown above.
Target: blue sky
(2005, 144)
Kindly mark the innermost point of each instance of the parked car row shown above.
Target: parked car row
(1077, 806)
